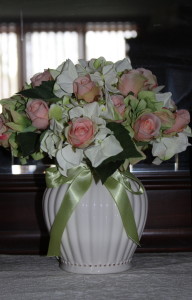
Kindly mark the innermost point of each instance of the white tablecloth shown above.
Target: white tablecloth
(152, 276)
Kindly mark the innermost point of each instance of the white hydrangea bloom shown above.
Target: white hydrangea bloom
(166, 99)
(68, 158)
(122, 65)
(51, 143)
(64, 81)
(167, 147)
(104, 149)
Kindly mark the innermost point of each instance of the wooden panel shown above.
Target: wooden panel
(169, 208)
(168, 227)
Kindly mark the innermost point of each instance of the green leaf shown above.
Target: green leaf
(20, 119)
(37, 155)
(15, 127)
(147, 95)
(14, 152)
(142, 105)
(150, 99)
(23, 160)
(55, 112)
(111, 164)
(8, 104)
(105, 170)
(98, 62)
(53, 100)
(134, 103)
(142, 144)
(29, 129)
(28, 142)
(44, 91)
(12, 141)
(17, 98)
(122, 135)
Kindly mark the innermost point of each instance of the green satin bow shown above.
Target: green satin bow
(79, 180)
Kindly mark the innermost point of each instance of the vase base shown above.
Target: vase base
(94, 269)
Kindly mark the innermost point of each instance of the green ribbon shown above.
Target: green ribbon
(54, 178)
(117, 185)
(79, 180)
(79, 184)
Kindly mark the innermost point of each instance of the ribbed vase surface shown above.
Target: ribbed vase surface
(94, 240)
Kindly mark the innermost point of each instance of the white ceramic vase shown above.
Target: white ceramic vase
(94, 240)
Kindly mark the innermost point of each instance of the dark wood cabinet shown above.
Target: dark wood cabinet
(168, 227)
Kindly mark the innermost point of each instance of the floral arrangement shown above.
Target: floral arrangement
(98, 113)
(96, 117)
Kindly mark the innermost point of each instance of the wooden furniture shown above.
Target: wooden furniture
(168, 228)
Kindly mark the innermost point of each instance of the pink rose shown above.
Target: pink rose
(38, 78)
(166, 116)
(81, 131)
(4, 139)
(37, 111)
(151, 79)
(4, 135)
(146, 127)
(118, 101)
(182, 119)
(136, 80)
(85, 89)
(3, 127)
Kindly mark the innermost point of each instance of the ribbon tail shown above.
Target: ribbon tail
(75, 192)
(119, 194)
(128, 175)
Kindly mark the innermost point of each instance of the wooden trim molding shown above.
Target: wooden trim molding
(168, 227)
